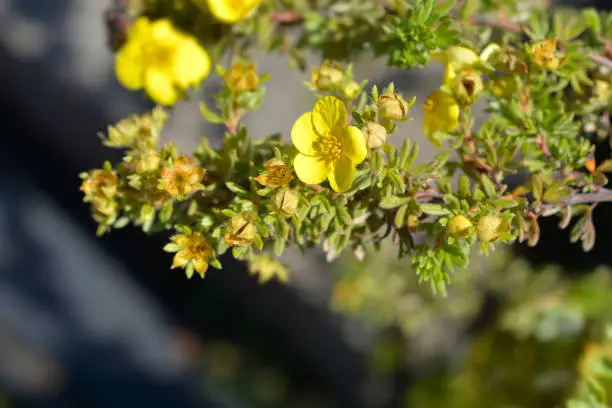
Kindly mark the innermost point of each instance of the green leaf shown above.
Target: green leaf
(434, 209)
(557, 191)
(390, 202)
(172, 247)
(488, 186)
(235, 188)
(505, 203)
(412, 156)
(209, 115)
(400, 216)
(591, 19)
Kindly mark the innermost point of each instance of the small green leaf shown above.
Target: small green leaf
(209, 115)
(434, 209)
(488, 186)
(390, 202)
(235, 188)
(505, 203)
(400, 216)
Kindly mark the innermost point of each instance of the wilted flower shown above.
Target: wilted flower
(460, 227)
(242, 78)
(328, 147)
(327, 77)
(351, 90)
(100, 185)
(147, 161)
(393, 106)
(183, 178)
(231, 11)
(276, 174)
(375, 134)
(160, 59)
(285, 202)
(490, 228)
(467, 86)
(192, 249)
(267, 268)
(239, 231)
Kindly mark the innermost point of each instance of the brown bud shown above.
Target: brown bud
(393, 106)
(242, 77)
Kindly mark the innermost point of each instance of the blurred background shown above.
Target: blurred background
(103, 322)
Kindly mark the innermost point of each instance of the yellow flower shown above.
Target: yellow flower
(231, 11)
(328, 148)
(183, 178)
(457, 58)
(160, 59)
(194, 250)
(459, 226)
(545, 55)
(440, 114)
(277, 174)
(467, 86)
(242, 77)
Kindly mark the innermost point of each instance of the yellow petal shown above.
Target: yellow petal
(440, 113)
(311, 170)
(461, 56)
(200, 265)
(191, 63)
(163, 33)
(303, 134)
(355, 144)
(160, 88)
(180, 259)
(140, 27)
(230, 11)
(342, 176)
(449, 75)
(129, 66)
(329, 113)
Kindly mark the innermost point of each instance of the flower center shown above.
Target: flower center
(158, 55)
(330, 147)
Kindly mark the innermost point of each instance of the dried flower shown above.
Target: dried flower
(239, 231)
(546, 55)
(285, 202)
(490, 228)
(100, 185)
(467, 86)
(460, 227)
(328, 76)
(375, 134)
(276, 174)
(393, 106)
(183, 178)
(193, 252)
(242, 78)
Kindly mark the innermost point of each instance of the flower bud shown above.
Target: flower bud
(412, 222)
(242, 78)
(123, 134)
(503, 87)
(460, 227)
(240, 231)
(327, 77)
(467, 87)
(491, 227)
(277, 174)
(351, 90)
(285, 202)
(392, 106)
(375, 134)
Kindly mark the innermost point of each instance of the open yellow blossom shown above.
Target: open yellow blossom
(328, 148)
(194, 250)
(160, 59)
(440, 114)
(231, 11)
(458, 58)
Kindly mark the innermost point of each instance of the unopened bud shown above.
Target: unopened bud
(393, 106)
(285, 202)
(147, 162)
(375, 134)
(351, 90)
(327, 77)
(460, 227)
(240, 231)
(242, 77)
(491, 227)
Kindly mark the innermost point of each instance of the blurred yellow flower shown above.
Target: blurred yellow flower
(242, 77)
(328, 147)
(546, 55)
(160, 59)
(460, 227)
(193, 250)
(440, 114)
(231, 11)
